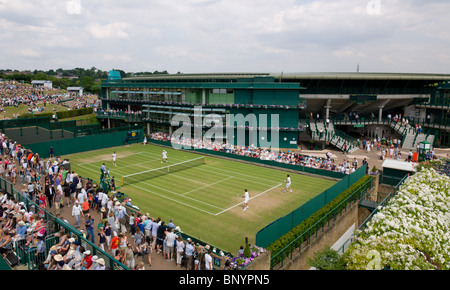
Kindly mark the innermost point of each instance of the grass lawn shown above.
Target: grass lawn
(204, 200)
(23, 109)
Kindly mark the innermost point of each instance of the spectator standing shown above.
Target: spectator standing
(170, 242)
(129, 256)
(180, 250)
(108, 234)
(189, 254)
(58, 196)
(89, 223)
(101, 238)
(160, 237)
(208, 259)
(76, 213)
(138, 236)
(114, 245)
(146, 246)
(112, 222)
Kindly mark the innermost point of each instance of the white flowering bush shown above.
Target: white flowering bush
(412, 232)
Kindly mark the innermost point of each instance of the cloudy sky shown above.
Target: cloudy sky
(193, 36)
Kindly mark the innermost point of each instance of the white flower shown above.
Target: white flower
(414, 224)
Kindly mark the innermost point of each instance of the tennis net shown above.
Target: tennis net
(148, 174)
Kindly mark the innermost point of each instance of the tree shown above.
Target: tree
(61, 83)
(40, 76)
(327, 259)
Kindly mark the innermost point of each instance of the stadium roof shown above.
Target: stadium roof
(303, 76)
(365, 76)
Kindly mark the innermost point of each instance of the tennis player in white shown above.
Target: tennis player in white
(246, 198)
(114, 156)
(164, 156)
(288, 184)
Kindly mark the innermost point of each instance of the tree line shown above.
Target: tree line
(89, 79)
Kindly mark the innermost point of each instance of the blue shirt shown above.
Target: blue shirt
(40, 247)
(155, 227)
(121, 213)
(189, 250)
(141, 227)
(148, 225)
(22, 230)
(89, 224)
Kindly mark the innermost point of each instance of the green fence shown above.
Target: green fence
(106, 139)
(283, 225)
(319, 222)
(391, 180)
(26, 122)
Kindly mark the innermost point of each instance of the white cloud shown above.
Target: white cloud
(111, 30)
(227, 35)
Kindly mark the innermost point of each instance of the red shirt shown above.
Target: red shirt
(114, 242)
(87, 261)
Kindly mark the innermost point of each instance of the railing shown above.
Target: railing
(130, 117)
(335, 137)
(398, 126)
(305, 237)
(163, 102)
(383, 203)
(55, 225)
(445, 103)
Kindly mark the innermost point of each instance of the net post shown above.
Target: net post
(204, 159)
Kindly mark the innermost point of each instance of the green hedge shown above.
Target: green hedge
(61, 114)
(74, 113)
(29, 115)
(333, 207)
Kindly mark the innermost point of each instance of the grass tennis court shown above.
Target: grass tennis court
(205, 200)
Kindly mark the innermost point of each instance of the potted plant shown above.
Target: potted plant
(374, 170)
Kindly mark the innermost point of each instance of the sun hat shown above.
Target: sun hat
(58, 257)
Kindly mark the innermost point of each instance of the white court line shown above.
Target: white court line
(126, 166)
(179, 194)
(84, 166)
(193, 198)
(215, 168)
(250, 198)
(120, 167)
(175, 200)
(121, 156)
(207, 185)
(189, 179)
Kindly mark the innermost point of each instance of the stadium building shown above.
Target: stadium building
(356, 104)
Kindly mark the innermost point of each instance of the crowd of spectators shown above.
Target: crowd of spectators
(14, 94)
(128, 236)
(83, 101)
(287, 157)
(121, 112)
